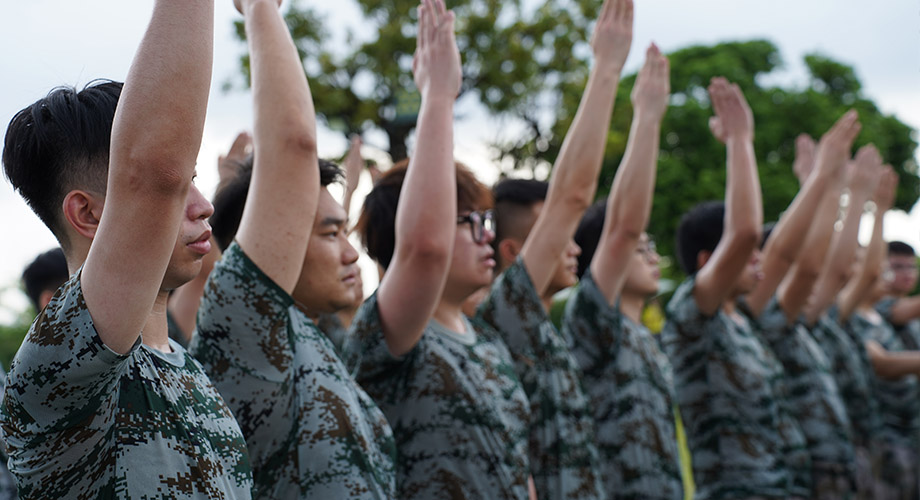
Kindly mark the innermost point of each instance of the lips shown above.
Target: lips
(202, 245)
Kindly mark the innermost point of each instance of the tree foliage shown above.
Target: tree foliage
(515, 55)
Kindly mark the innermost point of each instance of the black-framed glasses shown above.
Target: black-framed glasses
(648, 249)
(480, 222)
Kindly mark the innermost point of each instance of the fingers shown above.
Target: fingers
(627, 13)
(241, 146)
(606, 9)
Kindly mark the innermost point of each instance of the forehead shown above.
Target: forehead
(329, 209)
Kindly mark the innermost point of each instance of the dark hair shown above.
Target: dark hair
(377, 224)
(700, 230)
(513, 199)
(900, 248)
(47, 272)
(588, 234)
(765, 235)
(230, 199)
(58, 144)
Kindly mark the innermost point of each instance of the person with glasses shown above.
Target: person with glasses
(537, 257)
(626, 375)
(444, 382)
(900, 309)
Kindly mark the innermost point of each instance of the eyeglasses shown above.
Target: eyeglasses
(480, 222)
(648, 249)
(904, 267)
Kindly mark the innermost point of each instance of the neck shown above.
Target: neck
(631, 306)
(547, 302)
(156, 331)
(450, 314)
(729, 306)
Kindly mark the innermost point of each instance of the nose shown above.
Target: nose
(349, 254)
(196, 205)
(574, 250)
(488, 236)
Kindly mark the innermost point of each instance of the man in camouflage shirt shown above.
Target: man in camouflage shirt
(99, 402)
(312, 432)
(626, 375)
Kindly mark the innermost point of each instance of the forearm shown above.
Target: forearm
(905, 310)
(743, 205)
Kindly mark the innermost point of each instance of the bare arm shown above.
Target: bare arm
(851, 296)
(905, 310)
(155, 140)
(426, 217)
(353, 165)
(788, 237)
(892, 365)
(630, 202)
(733, 125)
(285, 175)
(574, 178)
(838, 267)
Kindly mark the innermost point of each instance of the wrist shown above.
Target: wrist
(606, 68)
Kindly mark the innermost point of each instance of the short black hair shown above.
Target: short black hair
(61, 143)
(230, 199)
(765, 235)
(512, 198)
(47, 272)
(377, 224)
(700, 230)
(900, 248)
(588, 234)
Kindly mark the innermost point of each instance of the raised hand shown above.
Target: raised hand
(436, 65)
(613, 34)
(353, 163)
(242, 5)
(653, 87)
(887, 187)
(834, 146)
(804, 157)
(228, 165)
(733, 117)
(867, 172)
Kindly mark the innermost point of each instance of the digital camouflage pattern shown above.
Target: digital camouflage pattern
(899, 409)
(629, 381)
(459, 414)
(563, 453)
(312, 431)
(908, 333)
(852, 371)
(7, 483)
(726, 381)
(814, 401)
(82, 421)
(332, 326)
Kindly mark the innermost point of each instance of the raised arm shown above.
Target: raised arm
(426, 217)
(838, 267)
(574, 178)
(353, 165)
(283, 196)
(788, 237)
(155, 140)
(733, 125)
(855, 291)
(630, 202)
(892, 364)
(905, 310)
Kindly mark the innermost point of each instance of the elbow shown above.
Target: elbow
(298, 138)
(747, 237)
(426, 253)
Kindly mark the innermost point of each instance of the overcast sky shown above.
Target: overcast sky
(46, 43)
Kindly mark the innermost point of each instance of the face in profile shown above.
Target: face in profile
(193, 242)
(904, 273)
(566, 273)
(473, 259)
(330, 280)
(643, 272)
(751, 275)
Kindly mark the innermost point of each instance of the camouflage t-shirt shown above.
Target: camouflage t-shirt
(563, 453)
(724, 379)
(7, 483)
(312, 431)
(630, 384)
(898, 399)
(458, 412)
(852, 371)
(82, 421)
(909, 332)
(332, 326)
(813, 395)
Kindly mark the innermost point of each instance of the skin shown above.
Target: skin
(641, 280)
(127, 273)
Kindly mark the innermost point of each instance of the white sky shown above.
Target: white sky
(45, 43)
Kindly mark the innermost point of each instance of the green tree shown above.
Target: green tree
(515, 56)
(692, 163)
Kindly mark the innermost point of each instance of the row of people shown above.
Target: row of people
(771, 369)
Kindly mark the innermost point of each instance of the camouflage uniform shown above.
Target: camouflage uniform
(82, 421)
(815, 401)
(908, 333)
(332, 326)
(457, 409)
(7, 483)
(726, 385)
(899, 407)
(630, 384)
(563, 454)
(852, 371)
(312, 432)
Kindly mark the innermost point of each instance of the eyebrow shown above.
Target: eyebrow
(333, 221)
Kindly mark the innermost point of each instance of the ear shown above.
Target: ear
(508, 250)
(83, 210)
(702, 258)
